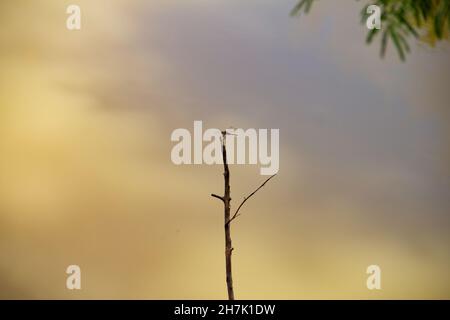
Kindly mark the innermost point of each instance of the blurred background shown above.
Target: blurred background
(86, 176)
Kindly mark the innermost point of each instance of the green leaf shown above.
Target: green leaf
(384, 44)
(370, 35)
(298, 8)
(397, 43)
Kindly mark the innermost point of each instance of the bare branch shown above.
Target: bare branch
(227, 214)
(236, 214)
(226, 199)
(216, 196)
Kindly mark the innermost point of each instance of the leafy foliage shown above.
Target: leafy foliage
(426, 20)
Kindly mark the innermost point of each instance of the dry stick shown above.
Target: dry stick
(236, 214)
(226, 202)
(216, 196)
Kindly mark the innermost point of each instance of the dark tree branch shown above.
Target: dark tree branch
(236, 214)
(216, 196)
(226, 204)
(226, 199)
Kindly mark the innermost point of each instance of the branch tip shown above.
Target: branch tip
(236, 214)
